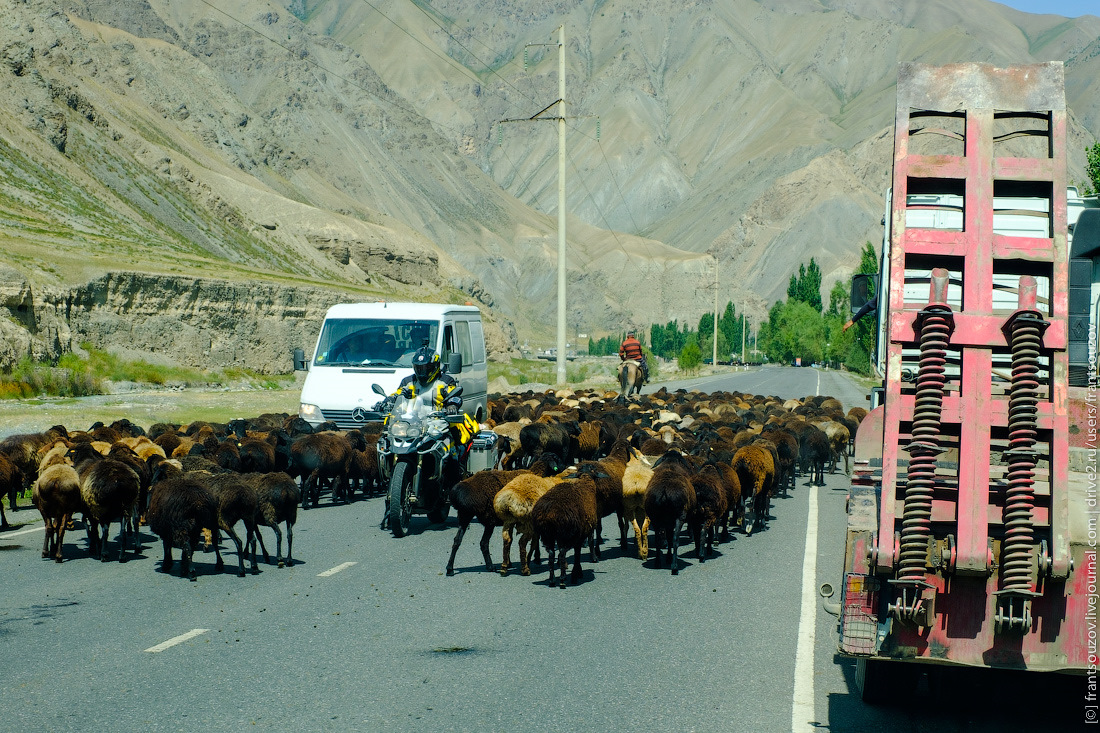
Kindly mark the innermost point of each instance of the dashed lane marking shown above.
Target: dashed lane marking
(338, 568)
(177, 640)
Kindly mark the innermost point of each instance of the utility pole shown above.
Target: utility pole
(714, 357)
(560, 118)
(561, 205)
(744, 327)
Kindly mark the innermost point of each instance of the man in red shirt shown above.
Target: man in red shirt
(632, 349)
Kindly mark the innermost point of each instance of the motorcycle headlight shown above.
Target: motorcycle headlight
(403, 430)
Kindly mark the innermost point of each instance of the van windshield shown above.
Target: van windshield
(373, 341)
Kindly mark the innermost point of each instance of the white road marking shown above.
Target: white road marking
(802, 711)
(818, 392)
(8, 535)
(177, 640)
(338, 568)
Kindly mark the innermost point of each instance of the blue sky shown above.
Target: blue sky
(1067, 8)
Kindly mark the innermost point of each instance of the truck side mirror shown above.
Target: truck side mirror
(864, 288)
(300, 361)
(454, 363)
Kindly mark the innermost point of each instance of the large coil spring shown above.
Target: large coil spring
(916, 527)
(1025, 341)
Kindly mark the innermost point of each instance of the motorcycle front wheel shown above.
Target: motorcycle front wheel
(399, 511)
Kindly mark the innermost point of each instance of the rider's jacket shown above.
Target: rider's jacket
(631, 349)
(440, 387)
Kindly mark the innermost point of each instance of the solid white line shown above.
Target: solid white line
(6, 535)
(818, 392)
(177, 640)
(802, 711)
(338, 568)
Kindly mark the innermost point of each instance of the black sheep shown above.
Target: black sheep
(277, 501)
(179, 509)
(565, 516)
(317, 457)
(669, 499)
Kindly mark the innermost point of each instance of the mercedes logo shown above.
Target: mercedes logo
(359, 414)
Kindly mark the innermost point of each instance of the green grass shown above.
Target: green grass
(79, 376)
(540, 371)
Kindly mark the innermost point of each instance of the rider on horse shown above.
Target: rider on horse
(631, 350)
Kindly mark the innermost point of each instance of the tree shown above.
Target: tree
(807, 286)
(1092, 166)
(690, 356)
(839, 299)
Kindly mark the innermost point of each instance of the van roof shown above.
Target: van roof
(397, 310)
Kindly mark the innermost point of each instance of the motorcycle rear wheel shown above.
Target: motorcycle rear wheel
(399, 511)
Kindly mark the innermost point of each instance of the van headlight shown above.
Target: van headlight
(310, 413)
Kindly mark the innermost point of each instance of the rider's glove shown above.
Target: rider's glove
(407, 393)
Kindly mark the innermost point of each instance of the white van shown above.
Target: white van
(363, 344)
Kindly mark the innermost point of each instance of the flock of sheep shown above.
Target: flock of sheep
(710, 462)
(566, 459)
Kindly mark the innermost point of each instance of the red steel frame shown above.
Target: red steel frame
(961, 629)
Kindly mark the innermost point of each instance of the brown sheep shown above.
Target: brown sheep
(635, 479)
(711, 505)
(317, 457)
(513, 505)
(756, 473)
(110, 490)
(11, 483)
(56, 495)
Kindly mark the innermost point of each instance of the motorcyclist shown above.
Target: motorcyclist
(631, 349)
(428, 378)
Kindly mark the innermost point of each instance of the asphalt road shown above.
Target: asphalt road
(387, 642)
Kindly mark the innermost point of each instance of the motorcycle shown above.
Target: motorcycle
(422, 453)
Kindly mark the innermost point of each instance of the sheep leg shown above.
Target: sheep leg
(674, 540)
(462, 527)
(562, 562)
(59, 535)
(260, 539)
(550, 562)
(594, 542)
(3, 518)
(103, 541)
(577, 574)
(524, 553)
(289, 543)
(252, 532)
(485, 537)
(240, 550)
(46, 546)
(215, 535)
(537, 544)
(166, 564)
(697, 535)
(506, 543)
(622, 530)
(187, 565)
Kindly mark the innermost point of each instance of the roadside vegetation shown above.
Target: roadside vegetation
(76, 375)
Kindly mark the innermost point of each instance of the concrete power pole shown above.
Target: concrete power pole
(561, 206)
(744, 327)
(560, 118)
(714, 357)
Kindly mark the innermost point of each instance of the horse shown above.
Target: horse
(630, 379)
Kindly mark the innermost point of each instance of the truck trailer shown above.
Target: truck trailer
(969, 540)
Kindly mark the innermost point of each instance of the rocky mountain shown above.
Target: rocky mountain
(344, 149)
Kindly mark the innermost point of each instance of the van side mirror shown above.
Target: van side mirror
(864, 288)
(300, 361)
(454, 363)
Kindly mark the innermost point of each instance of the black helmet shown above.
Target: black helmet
(425, 365)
